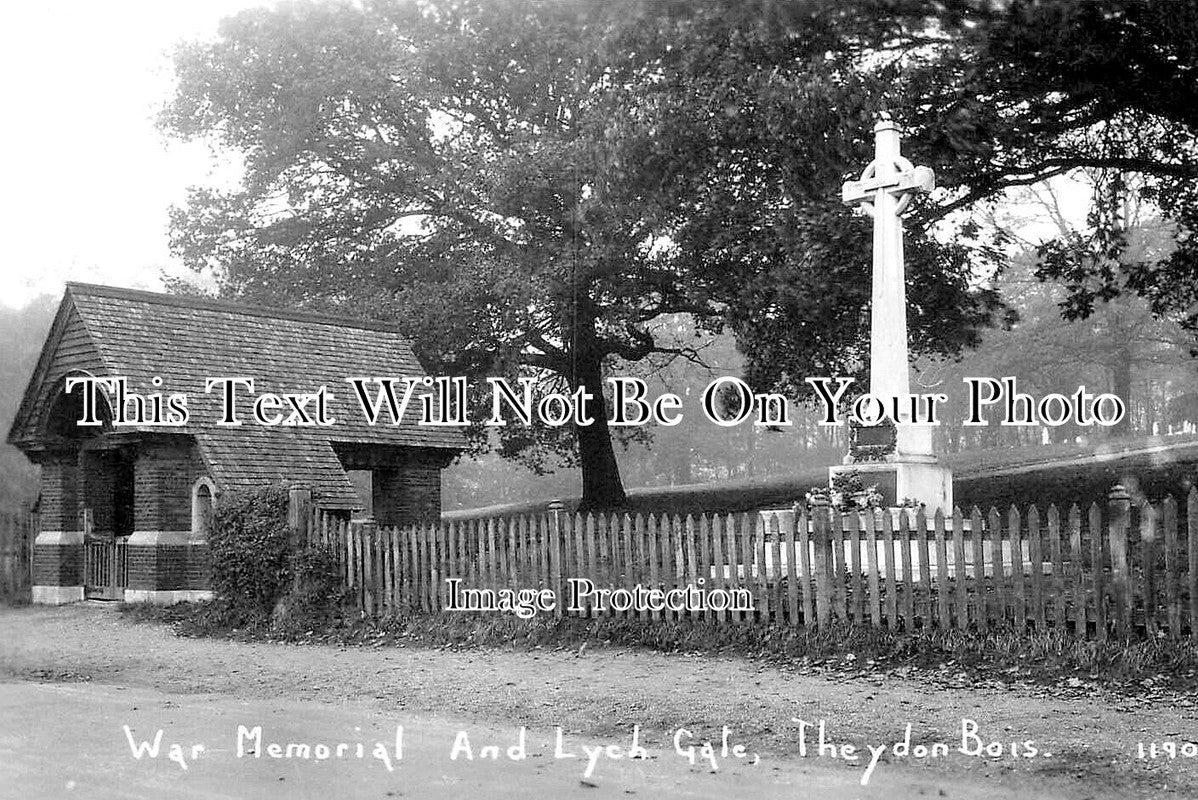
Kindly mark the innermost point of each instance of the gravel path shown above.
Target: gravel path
(1087, 747)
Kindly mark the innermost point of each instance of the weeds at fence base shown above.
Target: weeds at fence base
(1003, 656)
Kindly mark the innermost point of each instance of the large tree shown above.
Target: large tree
(441, 165)
(527, 186)
(1049, 87)
(993, 96)
(515, 183)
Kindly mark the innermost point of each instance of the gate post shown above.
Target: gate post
(299, 515)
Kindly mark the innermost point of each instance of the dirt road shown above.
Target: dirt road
(72, 678)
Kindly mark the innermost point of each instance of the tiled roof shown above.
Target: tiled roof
(184, 340)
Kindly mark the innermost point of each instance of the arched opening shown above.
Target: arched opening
(203, 502)
(67, 409)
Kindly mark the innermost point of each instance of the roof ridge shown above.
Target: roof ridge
(213, 304)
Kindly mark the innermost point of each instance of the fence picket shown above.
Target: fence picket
(981, 600)
(870, 519)
(1119, 527)
(923, 553)
(1059, 585)
(1036, 568)
(1077, 559)
(1172, 601)
(891, 589)
(1018, 584)
(804, 526)
(583, 527)
(943, 619)
(961, 578)
(773, 544)
(906, 548)
(690, 545)
(654, 559)
(630, 571)
(1148, 548)
(1097, 572)
(856, 588)
(838, 592)
(821, 536)
(1192, 558)
(669, 555)
(602, 537)
(745, 534)
(733, 559)
(789, 565)
(367, 531)
(998, 567)
(642, 558)
(718, 575)
(515, 552)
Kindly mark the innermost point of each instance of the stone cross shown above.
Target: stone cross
(884, 191)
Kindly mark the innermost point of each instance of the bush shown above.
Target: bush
(314, 598)
(249, 547)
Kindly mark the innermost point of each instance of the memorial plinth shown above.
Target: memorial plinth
(921, 479)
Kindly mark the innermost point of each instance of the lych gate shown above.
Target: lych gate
(125, 509)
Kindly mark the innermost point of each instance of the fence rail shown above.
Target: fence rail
(1118, 570)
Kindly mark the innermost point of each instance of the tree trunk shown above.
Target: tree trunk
(601, 484)
(1121, 388)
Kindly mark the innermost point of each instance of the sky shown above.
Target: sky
(88, 180)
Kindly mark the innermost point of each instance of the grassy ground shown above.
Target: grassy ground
(1027, 476)
(1049, 658)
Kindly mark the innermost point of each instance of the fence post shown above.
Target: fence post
(299, 514)
(366, 556)
(1120, 507)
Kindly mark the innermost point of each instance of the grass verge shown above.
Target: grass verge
(1005, 655)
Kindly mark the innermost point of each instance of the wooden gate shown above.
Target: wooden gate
(105, 568)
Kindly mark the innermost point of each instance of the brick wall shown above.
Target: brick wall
(95, 474)
(57, 565)
(163, 477)
(169, 567)
(59, 491)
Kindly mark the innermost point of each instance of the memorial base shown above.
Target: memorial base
(926, 481)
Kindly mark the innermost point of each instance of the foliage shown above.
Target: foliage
(527, 186)
(249, 548)
(943, 658)
(317, 588)
(23, 332)
(1121, 347)
(1107, 86)
(848, 493)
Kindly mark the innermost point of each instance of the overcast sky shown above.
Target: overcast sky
(87, 180)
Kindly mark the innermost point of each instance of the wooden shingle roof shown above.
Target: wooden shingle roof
(184, 340)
